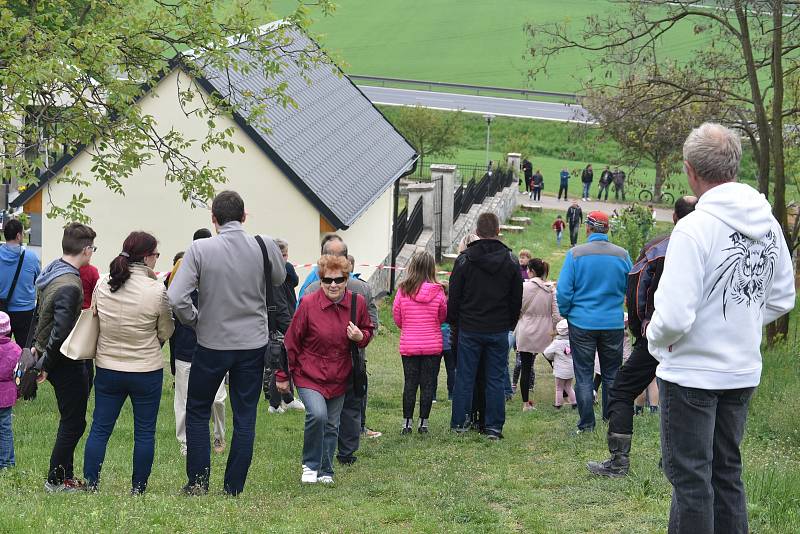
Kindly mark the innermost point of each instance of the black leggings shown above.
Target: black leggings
(528, 375)
(419, 372)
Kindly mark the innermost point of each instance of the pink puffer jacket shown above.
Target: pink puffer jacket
(419, 318)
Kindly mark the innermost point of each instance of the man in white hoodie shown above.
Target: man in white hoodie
(727, 273)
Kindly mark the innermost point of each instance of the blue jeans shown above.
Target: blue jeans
(584, 343)
(586, 190)
(559, 235)
(245, 370)
(321, 430)
(494, 349)
(6, 439)
(111, 389)
(701, 431)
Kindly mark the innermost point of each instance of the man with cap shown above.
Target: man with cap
(591, 293)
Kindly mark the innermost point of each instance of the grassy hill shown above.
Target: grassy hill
(463, 41)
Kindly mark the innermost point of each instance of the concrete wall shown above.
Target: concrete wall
(502, 204)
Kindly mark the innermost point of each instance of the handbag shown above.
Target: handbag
(6, 301)
(81, 343)
(27, 369)
(275, 356)
(357, 355)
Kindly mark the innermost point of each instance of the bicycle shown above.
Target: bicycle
(646, 195)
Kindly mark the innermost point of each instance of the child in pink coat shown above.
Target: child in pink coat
(9, 356)
(419, 310)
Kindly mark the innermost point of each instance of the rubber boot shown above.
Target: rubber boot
(619, 445)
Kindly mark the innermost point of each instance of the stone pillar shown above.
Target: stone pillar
(513, 160)
(425, 192)
(443, 178)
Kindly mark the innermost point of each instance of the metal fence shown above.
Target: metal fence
(430, 86)
(407, 228)
(466, 171)
(476, 192)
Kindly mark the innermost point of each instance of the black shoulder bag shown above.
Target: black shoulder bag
(275, 358)
(359, 364)
(6, 301)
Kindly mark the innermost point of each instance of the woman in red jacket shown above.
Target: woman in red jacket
(318, 347)
(419, 310)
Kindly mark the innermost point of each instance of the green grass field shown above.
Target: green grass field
(533, 481)
(462, 41)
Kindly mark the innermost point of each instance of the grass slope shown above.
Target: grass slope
(463, 41)
(533, 481)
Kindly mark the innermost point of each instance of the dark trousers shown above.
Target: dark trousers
(528, 378)
(537, 193)
(245, 369)
(419, 372)
(111, 389)
(518, 371)
(619, 190)
(493, 348)
(21, 323)
(573, 235)
(527, 184)
(449, 357)
(584, 343)
(562, 189)
(351, 422)
(633, 378)
(72, 383)
(600, 191)
(701, 431)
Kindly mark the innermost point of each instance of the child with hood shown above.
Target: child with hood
(560, 354)
(9, 356)
(419, 310)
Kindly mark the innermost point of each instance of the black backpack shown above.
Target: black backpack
(359, 363)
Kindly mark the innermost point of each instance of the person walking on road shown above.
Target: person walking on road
(587, 177)
(591, 292)
(574, 220)
(727, 273)
(640, 370)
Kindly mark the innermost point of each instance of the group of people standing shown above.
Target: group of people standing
(534, 182)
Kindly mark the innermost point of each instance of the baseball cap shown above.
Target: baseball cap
(597, 220)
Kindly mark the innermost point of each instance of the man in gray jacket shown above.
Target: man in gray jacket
(230, 320)
(354, 411)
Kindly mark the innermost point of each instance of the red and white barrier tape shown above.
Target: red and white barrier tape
(377, 267)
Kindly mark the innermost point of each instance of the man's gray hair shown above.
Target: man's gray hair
(714, 152)
(282, 244)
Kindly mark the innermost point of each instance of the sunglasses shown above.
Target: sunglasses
(156, 254)
(94, 248)
(339, 280)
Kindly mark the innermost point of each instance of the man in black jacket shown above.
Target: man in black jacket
(483, 307)
(575, 221)
(640, 369)
(606, 178)
(60, 295)
(587, 177)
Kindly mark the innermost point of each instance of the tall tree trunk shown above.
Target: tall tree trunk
(779, 328)
(661, 177)
(758, 101)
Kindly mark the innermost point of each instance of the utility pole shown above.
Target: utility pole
(488, 118)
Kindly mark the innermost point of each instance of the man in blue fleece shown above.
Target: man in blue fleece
(591, 292)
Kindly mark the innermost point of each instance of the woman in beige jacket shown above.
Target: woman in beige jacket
(135, 321)
(536, 324)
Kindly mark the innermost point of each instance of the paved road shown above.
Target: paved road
(507, 107)
(552, 203)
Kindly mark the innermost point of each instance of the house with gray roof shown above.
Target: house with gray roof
(326, 164)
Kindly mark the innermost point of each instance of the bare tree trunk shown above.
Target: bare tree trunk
(661, 177)
(780, 328)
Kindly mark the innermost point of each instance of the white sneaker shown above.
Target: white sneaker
(279, 409)
(184, 450)
(309, 476)
(296, 404)
(325, 479)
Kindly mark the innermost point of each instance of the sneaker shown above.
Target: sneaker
(433, 401)
(372, 433)
(460, 429)
(279, 409)
(406, 430)
(325, 479)
(493, 435)
(296, 404)
(528, 406)
(184, 449)
(194, 490)
(309, 476)
(557, 406)
(219, 446)
(68, 486)
(653, 409)
(346, 460)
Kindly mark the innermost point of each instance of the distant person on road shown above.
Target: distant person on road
(591, 292)
(559, 226)
(563, 187)
(606, 177)
(587, 177)
(537, 185)
(575, 220)
(527, 172)
(619, 183)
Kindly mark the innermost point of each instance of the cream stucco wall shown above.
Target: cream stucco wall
(274, 205)
(368, 240)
